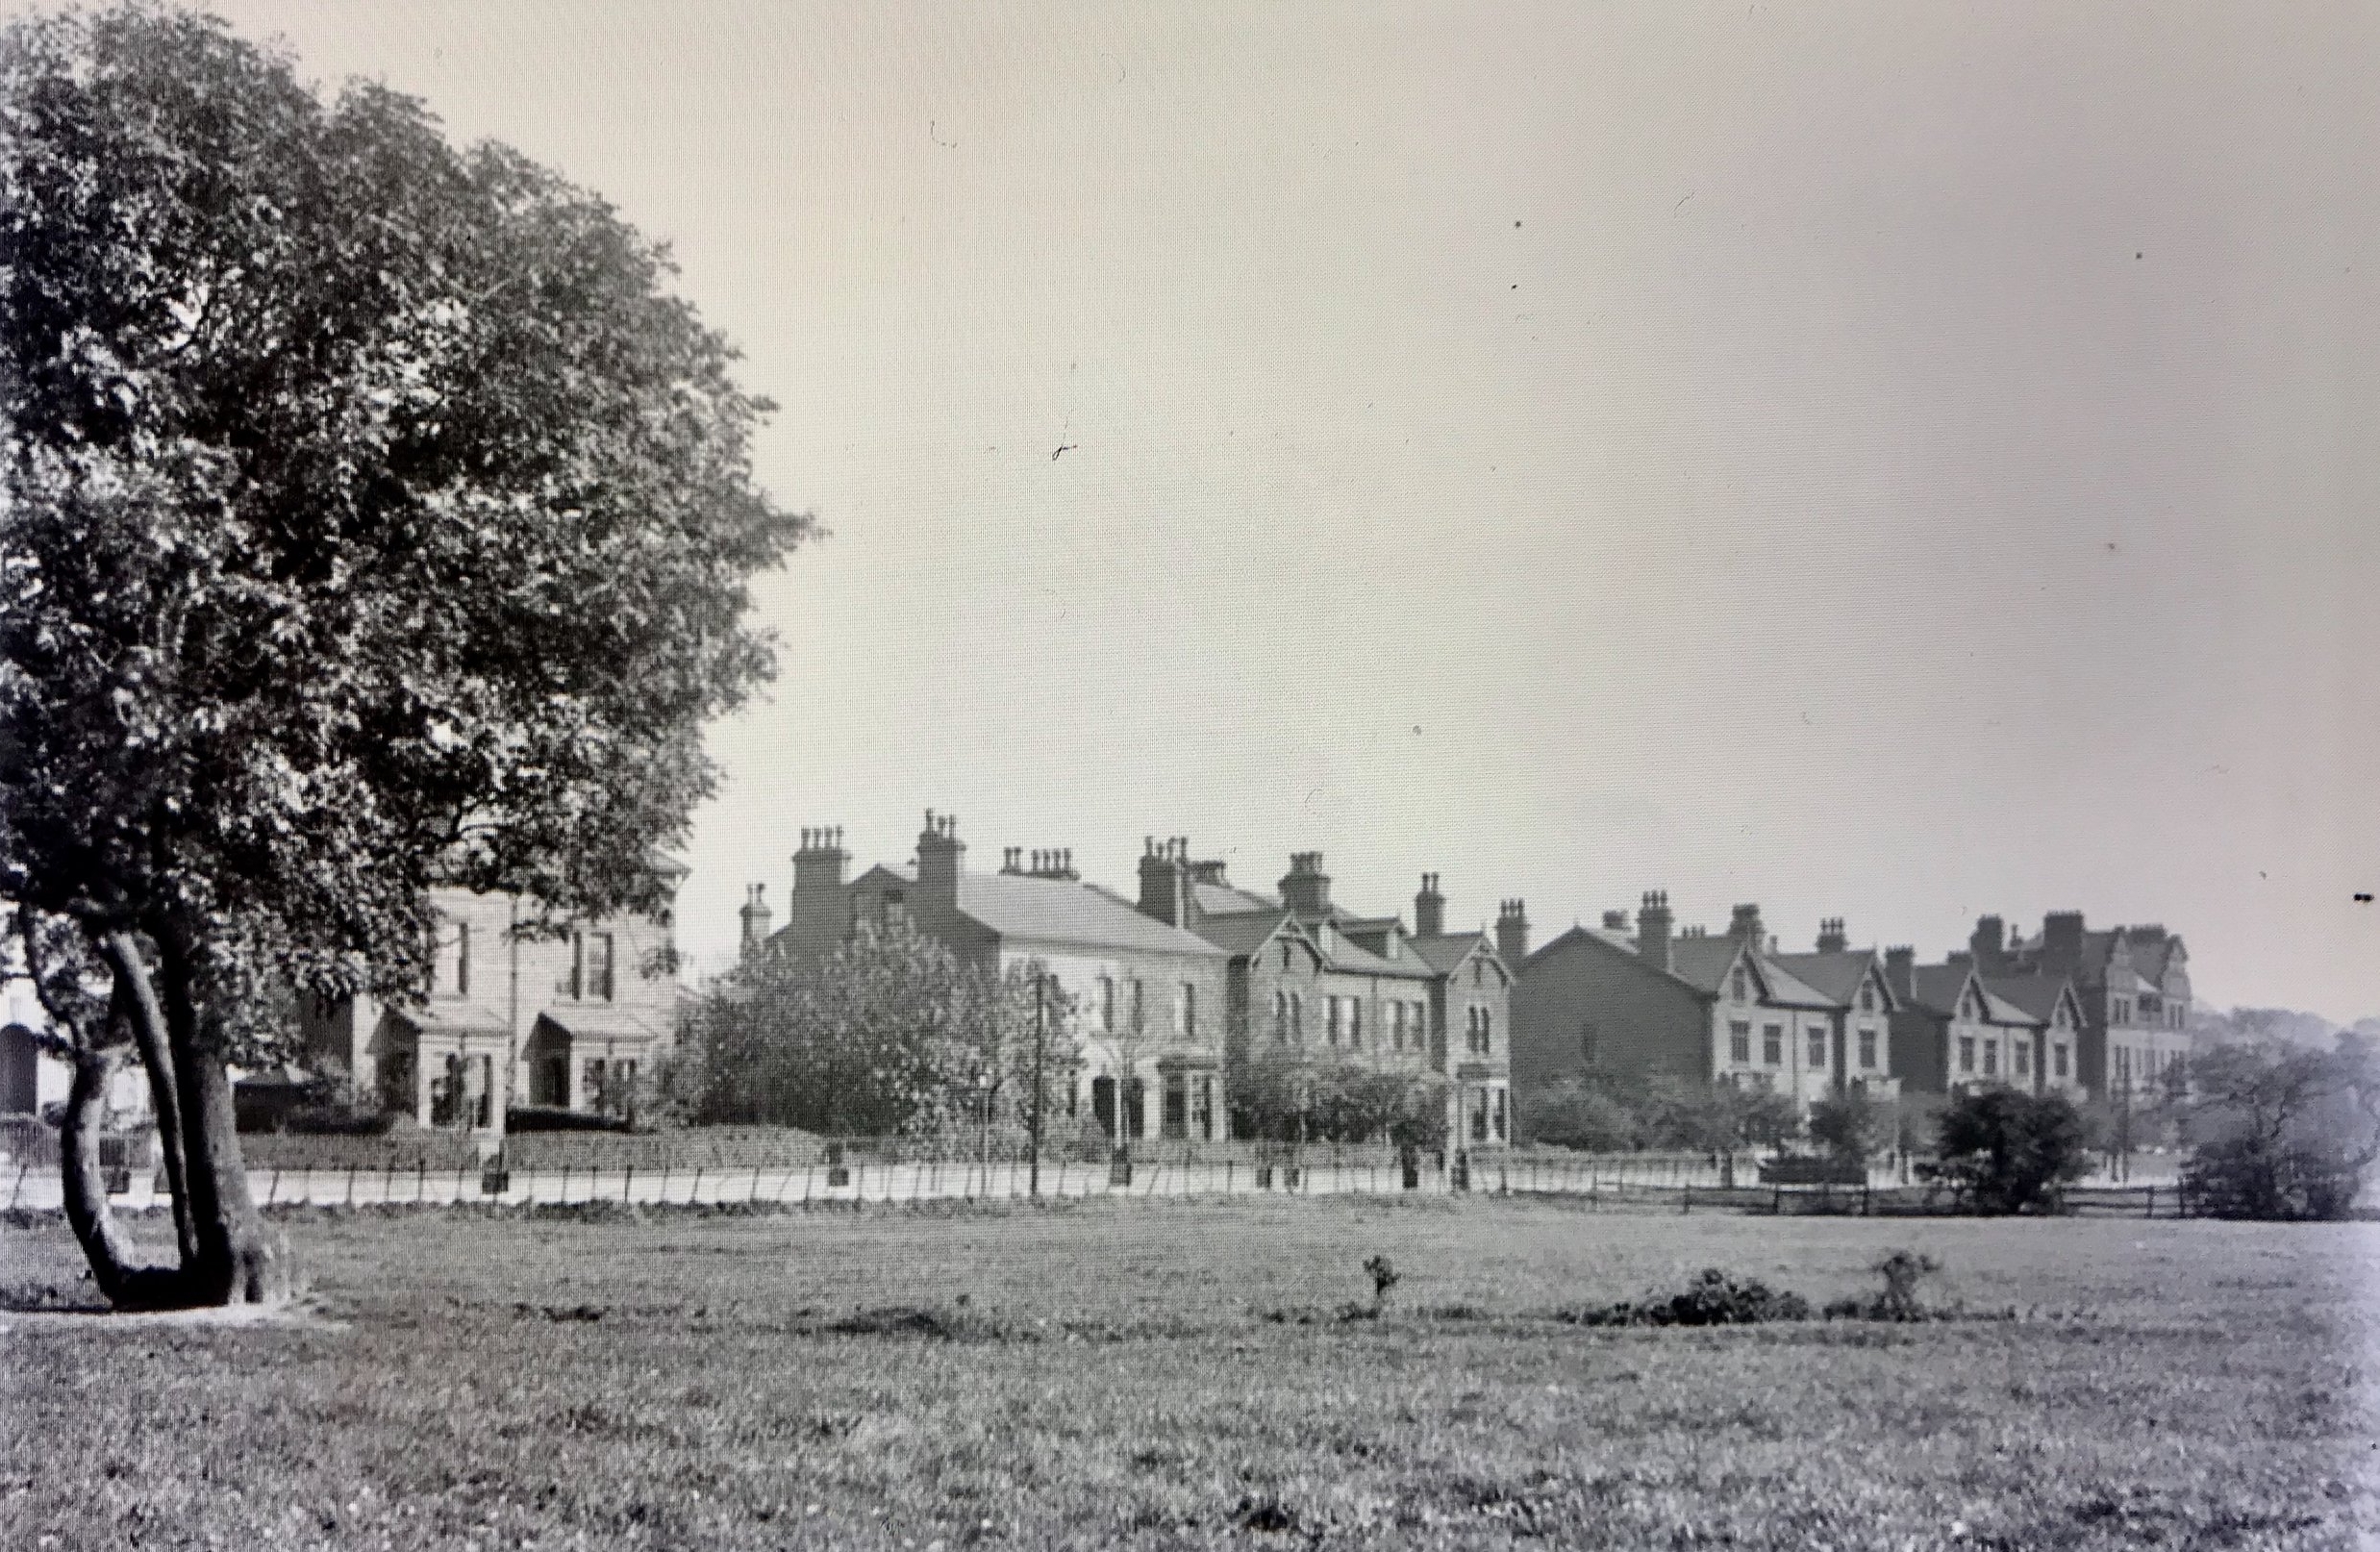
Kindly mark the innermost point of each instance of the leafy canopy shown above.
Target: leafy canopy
(890, 1035)
(371, 516)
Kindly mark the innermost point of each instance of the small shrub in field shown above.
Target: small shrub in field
(1902, 1271)
(1713, 1298)
(1384, 1278)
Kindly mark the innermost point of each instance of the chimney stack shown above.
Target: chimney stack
(2062, 941)
(941, 856)
(1306, 889)
(1616, 922)
(1900, 971)
(1832, 940)
(1511, 933)
(1165, 880)
(1653, 928)
(755, 915)
(1744, 928)
(1429, 908)
(819, 913)
(1988, 943)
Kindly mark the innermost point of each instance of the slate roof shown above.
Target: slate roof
(598, 1019)
(466, 1020)
(1444, 953)
(1241, 933)
(2035, 995)
(1937, 988)
(1230, 900)
(1836, 973)
(1063, 910)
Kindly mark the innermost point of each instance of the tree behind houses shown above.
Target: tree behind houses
(886, 1037)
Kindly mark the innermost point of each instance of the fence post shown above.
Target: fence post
(1227, 1168)
(695, 1189)
(1686, 1198)
(2152, 1203)
(459, 1168)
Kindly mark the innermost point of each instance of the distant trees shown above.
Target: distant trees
(373, 519)
(2281, 1131)
(1614, 1111)
(890, 1035)
(2004, 1150)
(1278, 1095)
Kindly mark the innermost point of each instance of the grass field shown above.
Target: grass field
(1162, 1374)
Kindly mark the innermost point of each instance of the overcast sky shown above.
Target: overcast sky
(1893, 461)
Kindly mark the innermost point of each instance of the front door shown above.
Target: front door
(1103, 1105)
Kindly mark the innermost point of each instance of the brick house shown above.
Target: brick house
(572, 1021)
(1150, 997)
(1690, 1006)
(2131, 989)
(1952, 1033)
(1308, 974)
(2055, 1018)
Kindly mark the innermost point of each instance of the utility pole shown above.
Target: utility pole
(1041, 986)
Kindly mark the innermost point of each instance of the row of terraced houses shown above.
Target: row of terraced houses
(1190, 973)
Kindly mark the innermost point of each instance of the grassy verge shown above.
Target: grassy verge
(1137, 1375)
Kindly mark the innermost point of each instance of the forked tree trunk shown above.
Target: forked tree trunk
(228, 1254)
(135, 1001)
(238, 1260)
(123, 1281)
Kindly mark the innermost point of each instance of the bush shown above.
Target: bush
(1902, 1271)
(2004, 1151)
(1713, 1298)
(2252, 1177)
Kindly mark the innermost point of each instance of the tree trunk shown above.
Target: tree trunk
(238, 1260)
(137, 1000)
(122, 1281)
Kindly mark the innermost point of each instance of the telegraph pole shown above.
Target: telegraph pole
(1041, 987)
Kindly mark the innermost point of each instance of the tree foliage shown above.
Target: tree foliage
(2004, 1150)
(373, 519)
(886, 1037)
(1850, 1127)
(2282, 1131)
(1604, 1112)
(1278, 1094)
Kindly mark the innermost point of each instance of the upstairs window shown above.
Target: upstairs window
(1868, 996)
(2057, 1060)
(1280, 1016)
(1867, 1048)
(1587, 1044)
(1966, 1053)
(1772, 1045)
(1107, 1004)
(1739, 1044)
(1741, 984)
(1355, 1022)
(1189, 1009)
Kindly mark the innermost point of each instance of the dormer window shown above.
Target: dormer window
(1868, 996)
(1743, 984)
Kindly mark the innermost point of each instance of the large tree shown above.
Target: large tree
(2278, 1131)
(374, 519)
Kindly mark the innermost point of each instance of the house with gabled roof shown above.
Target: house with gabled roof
(2054, 1013)
(1151, 995)
(1691, 1005)
(1854, 982)
(2132, 986)
(1952, 1033)
(1311, 975)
